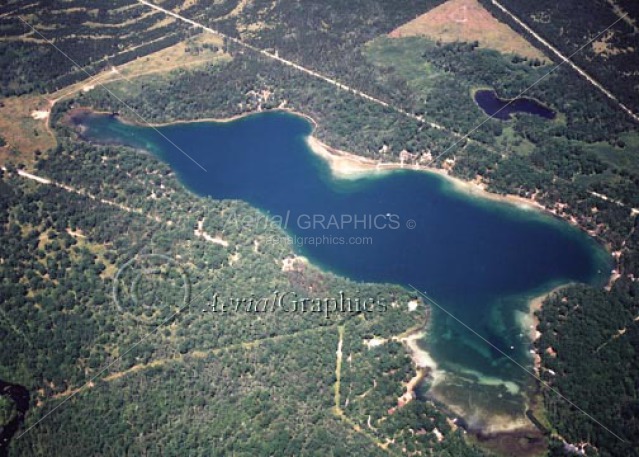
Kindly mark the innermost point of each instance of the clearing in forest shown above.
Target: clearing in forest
(467, 20)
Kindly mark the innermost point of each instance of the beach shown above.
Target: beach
(345, 165)
(531, 322)
(421, 358)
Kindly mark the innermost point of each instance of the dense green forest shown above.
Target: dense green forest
(173, 391)
(589, 348)
(571, 25)
(562, 161)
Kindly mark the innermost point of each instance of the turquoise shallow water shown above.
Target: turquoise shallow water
(479, 259)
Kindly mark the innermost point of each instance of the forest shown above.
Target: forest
(569, 26)
(61, 250)
(589, 348)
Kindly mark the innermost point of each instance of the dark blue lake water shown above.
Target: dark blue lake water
(480, 259)
(503, 109)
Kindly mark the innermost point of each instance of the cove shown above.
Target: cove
(482, 260)
(503, 109)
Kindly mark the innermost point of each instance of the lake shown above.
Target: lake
(482, 260)
(503, 109)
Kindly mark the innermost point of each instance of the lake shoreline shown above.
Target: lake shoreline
(220, 120)
(350, 166)
(347, 165)
(535, 305)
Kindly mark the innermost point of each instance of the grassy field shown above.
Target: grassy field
(510, 141)
(405, 57)
(622, 155)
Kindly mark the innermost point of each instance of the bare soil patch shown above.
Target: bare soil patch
(468, 21)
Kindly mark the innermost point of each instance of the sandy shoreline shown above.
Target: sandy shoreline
(531, 323)
(346, 165)
(536, 303)
(421, 358)
(427, 368)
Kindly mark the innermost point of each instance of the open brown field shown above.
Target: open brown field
(23, 133)
(24, 120)
(467, 20)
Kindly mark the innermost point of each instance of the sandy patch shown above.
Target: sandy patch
(604, 47)
(468, 21)
(421, 357)
(531, 322)
(425, 367)
(199, 232)
(76, 233)
(344, 165)
(40, 114)
(375, 342)
(482, 379)
(294, 263)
